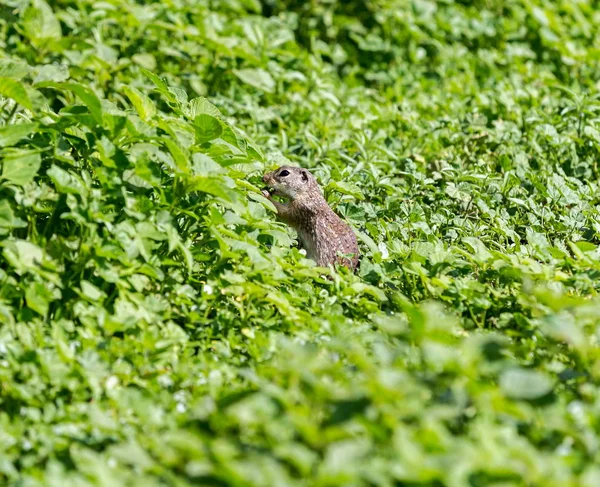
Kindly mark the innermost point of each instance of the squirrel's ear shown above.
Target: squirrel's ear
(304, 174)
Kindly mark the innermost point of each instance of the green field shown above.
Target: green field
(159, 327)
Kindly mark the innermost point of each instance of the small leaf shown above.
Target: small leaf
(6, 214)
(203, 165)
(22, 255)
(172, 95)
(207, 128)
(258, 78)
(13, 69)
(180, 95)
(157, 80)
(20, 166)
(525, 384)
(180, 155)
(11, 134)
(368, 241)
(563, 327)
(131, 453)
(85, 94)
(90, 291)
(15, 90)
(479, 251)
(51, 72)
(361, 288)
(261, 199)
(7, 217)
(142, 104)
(345, 188)
(585, 246)
(145, 60)
(40, 23)
(201, 106)
(38, 298)
(65, 182)
(212, 185)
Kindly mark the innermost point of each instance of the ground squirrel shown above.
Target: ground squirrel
(324, 236)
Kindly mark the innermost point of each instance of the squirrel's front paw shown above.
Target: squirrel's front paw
(265, 193)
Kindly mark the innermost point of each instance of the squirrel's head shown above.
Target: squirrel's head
(290, 182)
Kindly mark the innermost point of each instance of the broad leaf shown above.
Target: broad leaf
(11, 88)
(525, 384)
(11, 134)
(257, 78)
(207, 128)
(85, 94)
(20, 166)
(40, 23)
(142, 104)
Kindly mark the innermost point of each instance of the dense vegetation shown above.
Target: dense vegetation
(159, 327)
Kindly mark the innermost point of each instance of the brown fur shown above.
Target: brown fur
(323, 234)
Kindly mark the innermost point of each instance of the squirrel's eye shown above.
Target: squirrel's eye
(284, 173)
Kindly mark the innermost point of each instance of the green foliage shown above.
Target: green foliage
(159, 327)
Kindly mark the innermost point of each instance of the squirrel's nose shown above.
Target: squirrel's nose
(265, 178)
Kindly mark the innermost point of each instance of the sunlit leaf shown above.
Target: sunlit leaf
(207, 127)
(64, 181)
(525, 384)
(85, 94)
(11, 88)
(257, 78)
(201, 106)
(38, 298)
(11, 134)
(40, 23)
(143, 105)
(20, 166)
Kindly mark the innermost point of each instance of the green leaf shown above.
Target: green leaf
(361, 288)
(22, 255)
(212, 185)
(201, 106)
(131, 453)
(142, 104)
(51, 72)
(90, 291)
(145, 60)
(85, 94)
(40, 23)
(65, 182)
(180, 155)
(264, 201)
(207, 128)
(479, 251)
(6, 214)
(11, 68)
(369, 242)
(15, 90)
(158, 81)
(345, 188)
(7, 217)
(180, 95)
(258, 78)
(20, 166)
(11, 134)
(585, 246)
(203, 165)
(563, 327)
(525, 384)
(38, 298)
